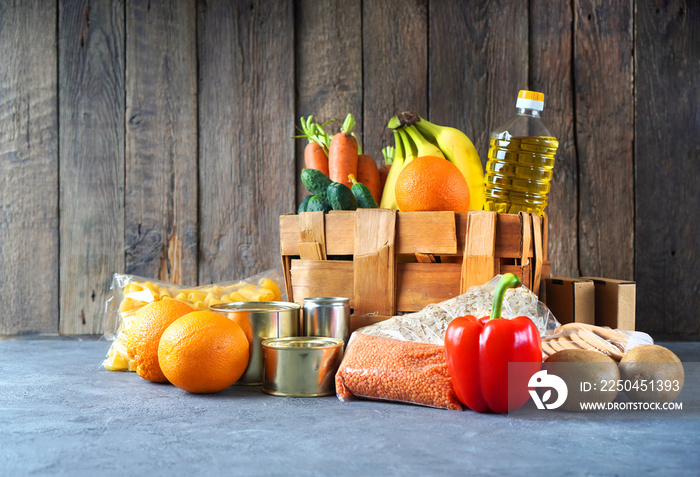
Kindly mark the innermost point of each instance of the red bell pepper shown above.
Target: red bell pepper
(478, 353)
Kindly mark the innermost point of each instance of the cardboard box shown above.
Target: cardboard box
(615, 303)
(571, 300)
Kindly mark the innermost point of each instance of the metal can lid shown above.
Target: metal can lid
(305, 342)
(256, 306)
(326, 299)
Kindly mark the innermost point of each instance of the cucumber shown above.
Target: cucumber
(340, 197)
(313, 203)
(304, 204)
(317, 204)
(365, 199)
(315, 182)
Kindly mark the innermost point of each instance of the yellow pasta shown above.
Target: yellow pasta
(152, 287)
(196, 296)
(216, 290)
(263, 294)
(132, 287)
(271, 285)
(137, 294)
(208, 298)
(247, 292)
(129, 304)
(235, 287)
(235, 296)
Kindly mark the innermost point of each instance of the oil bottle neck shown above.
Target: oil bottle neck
(529, 112)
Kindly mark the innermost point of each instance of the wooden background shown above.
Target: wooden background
(154, 137)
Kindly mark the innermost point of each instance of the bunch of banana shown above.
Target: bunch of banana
(416, 137)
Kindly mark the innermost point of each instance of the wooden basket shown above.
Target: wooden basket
(390, 262)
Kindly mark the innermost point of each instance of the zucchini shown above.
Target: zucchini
(364, 197)
(340, 197)
(315, 182)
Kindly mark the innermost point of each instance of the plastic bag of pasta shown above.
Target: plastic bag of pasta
(130, 293)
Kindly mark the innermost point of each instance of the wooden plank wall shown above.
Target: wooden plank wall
(154, 137)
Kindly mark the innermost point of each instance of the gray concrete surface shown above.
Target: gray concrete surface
(62, 414)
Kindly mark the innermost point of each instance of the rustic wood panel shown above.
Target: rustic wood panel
(604, 127)
(395, 65)
(328, 75)
(246, 123)
(91, 145)
(667, 148)
(160, 216)
(550, 45)
(28, 168)
(118, 154)
(478, 63)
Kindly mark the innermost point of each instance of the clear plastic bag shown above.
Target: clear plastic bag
(403, 358)
(375, 367)
(130, 293)
(429, 324)
(611, 342)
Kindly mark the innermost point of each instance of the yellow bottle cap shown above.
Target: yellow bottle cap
(533, 95)
(530, 100)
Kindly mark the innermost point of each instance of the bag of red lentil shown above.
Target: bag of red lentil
(376, 367)
(403, 358)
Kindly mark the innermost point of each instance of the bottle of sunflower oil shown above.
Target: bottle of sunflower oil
(521, 160)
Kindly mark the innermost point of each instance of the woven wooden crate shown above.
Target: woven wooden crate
(390, 262)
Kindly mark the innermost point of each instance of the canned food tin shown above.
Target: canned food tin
(302, 366)
(260, 321)
(327, 316)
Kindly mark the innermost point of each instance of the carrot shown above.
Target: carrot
(368, 174)
(388, 153)
(315, 157)
(316, 151)
(342, 154)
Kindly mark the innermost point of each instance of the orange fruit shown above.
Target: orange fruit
(431, 183)
(203, 352)
(144, 335)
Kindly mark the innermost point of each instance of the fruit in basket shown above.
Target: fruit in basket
(142, 340)
(203, 352)
(388, 153)
(456, 148)
(431, 183)
(398, 162)
(422, 146)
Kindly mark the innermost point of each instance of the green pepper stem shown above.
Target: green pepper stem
(509, 280)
